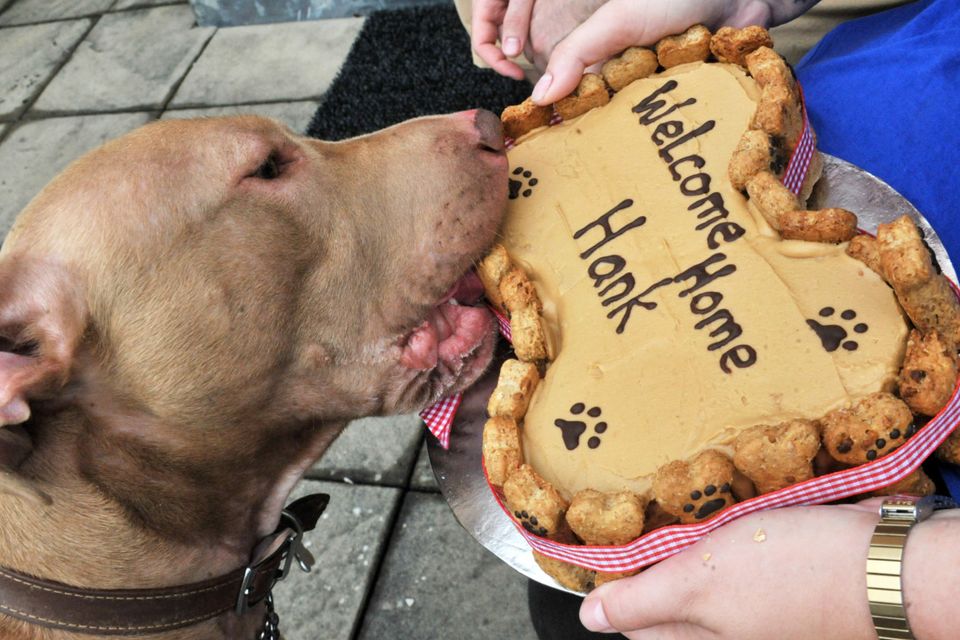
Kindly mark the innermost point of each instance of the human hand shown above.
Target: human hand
(617, 25)
(791, 574)
(565, 37)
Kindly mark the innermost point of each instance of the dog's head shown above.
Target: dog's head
(227, 273)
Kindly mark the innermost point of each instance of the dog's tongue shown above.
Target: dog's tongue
(450, 331)
(467, 289)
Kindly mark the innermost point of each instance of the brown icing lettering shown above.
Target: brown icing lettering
(648, 107)
(603, 222)
(701, 273)
(651, 109)
(742, 356)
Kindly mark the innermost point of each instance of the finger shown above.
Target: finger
(485, 23)
(660, 595)
(603, 34)
(516, 25)
(681, 631)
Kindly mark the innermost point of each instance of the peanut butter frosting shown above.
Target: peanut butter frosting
(676, 316)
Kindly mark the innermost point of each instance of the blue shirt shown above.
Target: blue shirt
(883, 92)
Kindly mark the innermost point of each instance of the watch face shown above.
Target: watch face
(900, 502)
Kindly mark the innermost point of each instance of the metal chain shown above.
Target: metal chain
(271, 622)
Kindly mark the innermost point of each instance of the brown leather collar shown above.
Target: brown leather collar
(131, 612)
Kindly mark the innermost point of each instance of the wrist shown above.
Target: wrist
(929, 578)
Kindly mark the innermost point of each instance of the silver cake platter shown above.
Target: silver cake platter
(458, 469)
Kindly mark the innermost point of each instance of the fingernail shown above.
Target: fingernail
(541, 87)
(593, 617)
(511, 46)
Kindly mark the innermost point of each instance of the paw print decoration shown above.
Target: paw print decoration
(573, 430)
(704, 504)
(530, 523)
(522, 184)
(836, 336)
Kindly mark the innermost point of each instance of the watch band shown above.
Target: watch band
(898, 515)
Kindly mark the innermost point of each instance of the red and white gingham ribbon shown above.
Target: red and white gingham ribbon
(439, 416)
(666, 541)
(799, 165)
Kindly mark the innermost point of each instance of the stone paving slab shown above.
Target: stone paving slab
(295, 115)
(35, 152)
(281, 62)
(238, 12)
(27, 11)
(29, 56)
(423, 478)
(132, 4)
(130, 60)
(348, 542)
(373, 450)
(437, 582)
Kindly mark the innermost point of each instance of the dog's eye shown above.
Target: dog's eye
(269, 170)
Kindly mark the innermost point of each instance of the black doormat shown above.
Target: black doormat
(408, 63)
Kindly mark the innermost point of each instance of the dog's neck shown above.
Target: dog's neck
(128, 513)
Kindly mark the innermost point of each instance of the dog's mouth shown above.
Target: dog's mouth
(456, 339)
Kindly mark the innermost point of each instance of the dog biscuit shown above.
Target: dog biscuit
(929, 373)
(693, 45)
(533, 501)
(866, 249)
(491, 271)
(732, 45)
(523, 118)
(949, 450)
(606, 518)
(769, 69)
(590, 93)
(924, 294)
(529, 340)
(756, 152)
(774, 457)
(870, 429)
(771, 198)
(502, 454)
(695, 490)
(571, 576)
(826, 225)
(514, 388)
(778, 114)
(633, 64)
(517, 292)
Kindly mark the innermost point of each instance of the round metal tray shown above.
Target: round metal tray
(458, 469)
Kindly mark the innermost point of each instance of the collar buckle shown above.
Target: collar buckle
(290, 549)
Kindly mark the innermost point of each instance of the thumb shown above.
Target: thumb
(658, 596)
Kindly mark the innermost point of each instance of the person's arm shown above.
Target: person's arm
(793, 574)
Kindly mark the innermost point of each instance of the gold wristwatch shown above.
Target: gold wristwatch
(897, 515)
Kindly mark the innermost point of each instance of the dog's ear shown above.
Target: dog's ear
(42, 318)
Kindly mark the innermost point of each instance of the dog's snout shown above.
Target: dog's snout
(486, 126)
(490, 129)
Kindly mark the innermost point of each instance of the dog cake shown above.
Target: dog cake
(686, 334)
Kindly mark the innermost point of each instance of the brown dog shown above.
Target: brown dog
(189, 315)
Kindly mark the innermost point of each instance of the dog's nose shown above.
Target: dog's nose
(488, 128)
